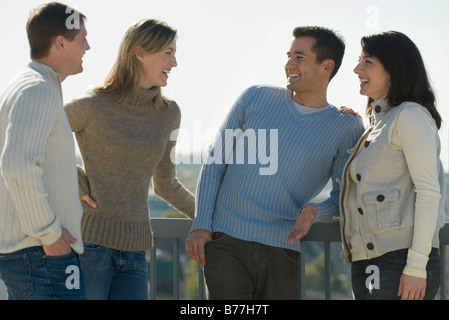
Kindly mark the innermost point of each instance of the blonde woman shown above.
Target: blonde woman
(123, 130)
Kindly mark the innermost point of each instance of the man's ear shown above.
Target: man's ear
(328, 65)
(59, 43)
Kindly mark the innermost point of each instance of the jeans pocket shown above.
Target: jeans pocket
(57, 266)
(96, 257)
(291, 254)
(216, 236)
(15, 271)
(92, 246)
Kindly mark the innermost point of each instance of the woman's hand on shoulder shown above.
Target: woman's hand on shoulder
(344, 109)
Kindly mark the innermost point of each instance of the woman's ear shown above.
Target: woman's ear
(139, 53)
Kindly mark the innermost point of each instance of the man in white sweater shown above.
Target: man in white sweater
(40, 211)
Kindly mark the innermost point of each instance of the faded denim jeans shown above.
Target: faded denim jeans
(112, 274)
(390, 267)
(30, 274)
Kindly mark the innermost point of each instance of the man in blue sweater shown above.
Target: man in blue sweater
(248, 205)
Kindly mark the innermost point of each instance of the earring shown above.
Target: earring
(141, 61)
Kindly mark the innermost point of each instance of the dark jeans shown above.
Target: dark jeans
(243, 270)
(30, 274)
(390, 267)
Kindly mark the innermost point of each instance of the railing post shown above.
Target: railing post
(444, 244)
(327, 271)
(302, 274)
(176, 242)
(153, 272)
(443, 258)
(201, 285)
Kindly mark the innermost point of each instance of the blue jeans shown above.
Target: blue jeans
(390, 267)
(114, 274)
(30, 274)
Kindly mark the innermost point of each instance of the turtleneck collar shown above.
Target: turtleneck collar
(143, 99)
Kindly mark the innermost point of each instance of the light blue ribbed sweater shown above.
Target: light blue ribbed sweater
(246, 202)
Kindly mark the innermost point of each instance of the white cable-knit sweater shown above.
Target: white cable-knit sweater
(39, 182)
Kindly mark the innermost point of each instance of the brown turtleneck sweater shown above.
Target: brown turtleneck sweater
(123, 147)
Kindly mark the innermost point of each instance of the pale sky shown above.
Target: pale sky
(226, 46)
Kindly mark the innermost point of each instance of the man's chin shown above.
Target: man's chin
(79, 70)
(290, 86)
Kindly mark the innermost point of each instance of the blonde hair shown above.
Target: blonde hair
(124, 79)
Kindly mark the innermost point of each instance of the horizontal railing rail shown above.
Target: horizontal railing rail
(178, 229)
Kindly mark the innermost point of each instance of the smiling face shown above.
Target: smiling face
(306, 77)
(155, 67)
(301, 68)
(374, 79)
(74, 51)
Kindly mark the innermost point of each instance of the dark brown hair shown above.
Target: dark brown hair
(329, 44)
(45, 23)
(404, 63)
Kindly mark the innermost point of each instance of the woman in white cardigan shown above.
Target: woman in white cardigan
(391, 206)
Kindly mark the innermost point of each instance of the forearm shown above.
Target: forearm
(424, 229)
(176, 195)
(416, 136)
(207, 192)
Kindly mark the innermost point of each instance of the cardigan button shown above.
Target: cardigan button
(360, 210)
(370, 246)
(367, 144)
(358, 176)
(378, 109)
(380, 198)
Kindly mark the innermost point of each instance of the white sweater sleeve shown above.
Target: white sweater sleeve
(31, 121)
(416, 135)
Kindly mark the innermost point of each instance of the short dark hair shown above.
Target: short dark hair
(329, 44)
(408, 77)
(45, 23)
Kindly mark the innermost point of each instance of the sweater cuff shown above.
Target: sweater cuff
(201, 221)
(51, 233)
(82, 182)
(416, 264)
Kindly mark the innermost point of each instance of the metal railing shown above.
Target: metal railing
(177, 230)
(327, 233)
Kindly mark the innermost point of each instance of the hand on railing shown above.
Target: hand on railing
(303, 223)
